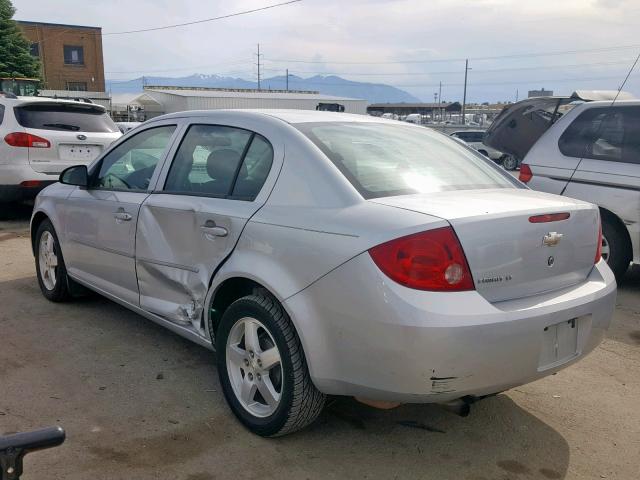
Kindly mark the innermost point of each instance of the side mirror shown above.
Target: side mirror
(77, 175)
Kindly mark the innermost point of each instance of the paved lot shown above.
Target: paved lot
(139, 402)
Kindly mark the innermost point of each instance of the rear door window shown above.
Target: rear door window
(65, 117)
(1, 113)
(220, 161)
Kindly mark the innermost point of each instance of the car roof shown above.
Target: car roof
(287, 115)
(618, 103)
(33, 100)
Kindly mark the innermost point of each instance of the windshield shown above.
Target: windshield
(67, 117)
(383, 160)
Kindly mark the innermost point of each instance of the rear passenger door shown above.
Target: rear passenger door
(218, 178)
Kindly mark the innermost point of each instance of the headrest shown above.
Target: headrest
(221, 165)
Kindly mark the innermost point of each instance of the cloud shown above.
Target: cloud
(360, 31)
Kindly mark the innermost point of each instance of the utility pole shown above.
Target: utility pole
(440, 99)
(464, 97)
(287, 79)
(258, 66)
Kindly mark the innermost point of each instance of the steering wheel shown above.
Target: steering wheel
(108, 181)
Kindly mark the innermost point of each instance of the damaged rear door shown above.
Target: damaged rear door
(216, 181)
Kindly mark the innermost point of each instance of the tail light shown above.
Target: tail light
(599, 249)
(525, 173)
(431, 260)
(21, 139)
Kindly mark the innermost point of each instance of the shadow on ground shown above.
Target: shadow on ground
(136, 398)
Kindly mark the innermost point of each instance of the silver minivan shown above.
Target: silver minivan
(589, 150)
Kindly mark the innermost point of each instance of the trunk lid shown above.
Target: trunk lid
(505, 250)
(520, 125)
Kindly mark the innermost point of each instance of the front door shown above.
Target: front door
(189, 227)
(101, 220)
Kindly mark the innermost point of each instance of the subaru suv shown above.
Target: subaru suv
(40, 137)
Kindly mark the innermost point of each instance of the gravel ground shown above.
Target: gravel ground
(139, 402)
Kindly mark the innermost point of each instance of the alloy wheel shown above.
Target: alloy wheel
(254, 366)
(606, 249)
(48, 260)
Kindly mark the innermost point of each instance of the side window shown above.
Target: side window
(576, 140)
(631, 151)
(1, 113)
(130, 165)
(209, 160)
(254, 170)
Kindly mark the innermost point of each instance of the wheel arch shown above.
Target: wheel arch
(620, 224)
(36, 220)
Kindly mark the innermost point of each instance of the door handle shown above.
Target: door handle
(122, 216)
(210, 229)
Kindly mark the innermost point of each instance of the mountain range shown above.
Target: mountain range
(329, 85)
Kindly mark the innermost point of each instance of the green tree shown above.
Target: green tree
(15, 59)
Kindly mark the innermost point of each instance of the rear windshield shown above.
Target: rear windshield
(383, 160)
(72, 118)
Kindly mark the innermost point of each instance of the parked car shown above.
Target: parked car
(124, 127)
(375, 259)
(414, 118)
(473, 138)
(41, 137)
(588, 150)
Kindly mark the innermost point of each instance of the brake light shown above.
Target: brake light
(525, 173)
(431, 260)
(599, 249)
(21, 139)
(549, 217)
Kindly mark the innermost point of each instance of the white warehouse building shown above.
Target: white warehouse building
(155, 100)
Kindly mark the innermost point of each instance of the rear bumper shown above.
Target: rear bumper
(21, 182)
(367, 336)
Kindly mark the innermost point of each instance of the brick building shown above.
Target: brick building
(71, 55)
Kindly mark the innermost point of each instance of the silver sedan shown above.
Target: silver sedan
(329, 254)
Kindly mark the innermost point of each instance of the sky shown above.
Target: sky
(512, 46)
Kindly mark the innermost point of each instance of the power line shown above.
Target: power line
(237, 62)
(194, 22)
(444, 60)
(454, 72)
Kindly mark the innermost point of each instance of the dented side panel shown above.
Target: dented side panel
(176, 255)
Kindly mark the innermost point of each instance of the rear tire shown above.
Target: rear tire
(616, 248)
(50, 268)
(509, 162)
(250, 327)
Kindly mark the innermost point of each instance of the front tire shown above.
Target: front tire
(50, 268)
(616, 248)
(263, 370)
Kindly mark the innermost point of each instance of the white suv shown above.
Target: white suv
(584, 149)
(40, 137)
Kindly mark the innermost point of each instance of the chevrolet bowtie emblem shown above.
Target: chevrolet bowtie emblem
(551, 239)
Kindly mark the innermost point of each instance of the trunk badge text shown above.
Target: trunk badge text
(551, 239)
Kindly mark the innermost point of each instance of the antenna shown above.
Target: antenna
(626, 78)
(600, 127)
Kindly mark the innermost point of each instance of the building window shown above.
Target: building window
(73, 55)
(77, 86)
(34, 49)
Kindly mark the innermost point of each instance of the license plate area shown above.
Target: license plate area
(560, 342)
(79, 152)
